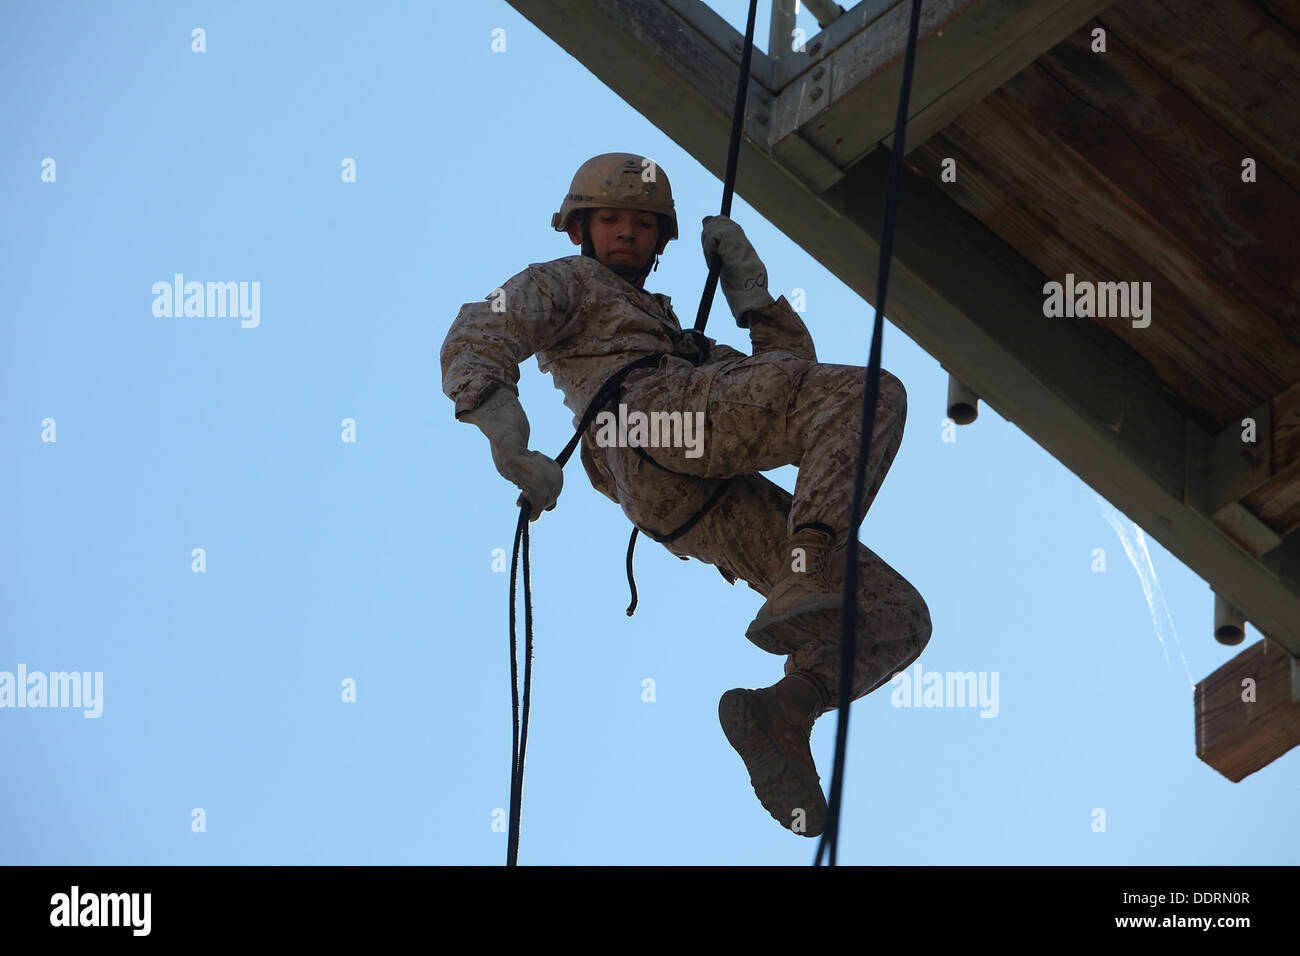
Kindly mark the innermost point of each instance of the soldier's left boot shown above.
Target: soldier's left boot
(770, 729)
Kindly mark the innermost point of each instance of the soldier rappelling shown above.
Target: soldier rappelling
(588, 318)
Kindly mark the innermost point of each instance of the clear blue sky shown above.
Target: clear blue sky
(372, 561)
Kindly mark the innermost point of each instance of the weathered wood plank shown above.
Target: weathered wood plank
(1285, 12)
(1149, 139)
(1286, 428)
(1239, 736)
(1234, 59)
(983, 80)
(844, 102)
(841, 104)
(1033, 189)
(1277, 502)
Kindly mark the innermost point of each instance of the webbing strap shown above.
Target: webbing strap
(603, 396)
(690, 523)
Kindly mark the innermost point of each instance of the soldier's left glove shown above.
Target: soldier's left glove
(743, 276)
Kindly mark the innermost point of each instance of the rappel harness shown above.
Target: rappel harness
(611, 388)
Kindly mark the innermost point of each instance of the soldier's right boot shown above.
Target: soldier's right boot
(770, 729)
(806, 599)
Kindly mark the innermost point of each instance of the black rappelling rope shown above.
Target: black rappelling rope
(728, 181)
(831, 830)
(519, 738)
(519, 743)
(607, 391)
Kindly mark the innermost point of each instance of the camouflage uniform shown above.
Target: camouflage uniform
(776, 407)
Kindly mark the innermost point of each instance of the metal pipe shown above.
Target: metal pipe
(1229, 623)
(780, 33)
(963, 404)
(824, 10)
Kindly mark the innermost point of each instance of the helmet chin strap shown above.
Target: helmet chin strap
(632, 273)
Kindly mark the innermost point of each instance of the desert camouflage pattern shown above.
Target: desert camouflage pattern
(779, 406)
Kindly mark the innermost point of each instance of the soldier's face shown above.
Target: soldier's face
(620, 237)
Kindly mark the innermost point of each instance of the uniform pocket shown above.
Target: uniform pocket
(768, 381)
(748, 412)
(653, 497)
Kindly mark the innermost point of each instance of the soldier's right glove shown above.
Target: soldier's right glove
(743, 276)
(501, 418)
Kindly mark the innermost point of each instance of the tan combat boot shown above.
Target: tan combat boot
(806, 597)
(770, 729)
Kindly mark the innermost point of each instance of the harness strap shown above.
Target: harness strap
(691, 522)
(604, 395)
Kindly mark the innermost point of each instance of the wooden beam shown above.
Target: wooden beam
(1236, 466)
(704, 21)
(1058, 24)
(1285, 12)
(686, 70)
(831, 38)
(1067, 383)
(1277, 502)
(1152, 141)
(1222, 469)
(844, 103)
(1034, 189)
(1252, 489)
(1247, 714)
(1238, 62)
(1080, 142)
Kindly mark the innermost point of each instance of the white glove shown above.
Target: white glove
(501, 418)
(743, 276)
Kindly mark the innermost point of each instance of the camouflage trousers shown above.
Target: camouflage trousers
(759, 413)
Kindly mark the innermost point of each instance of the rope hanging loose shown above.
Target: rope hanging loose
(519, 737)
(848, 637)
(603, 396)
(519, 742)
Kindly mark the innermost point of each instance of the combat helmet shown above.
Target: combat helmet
(619, 181)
